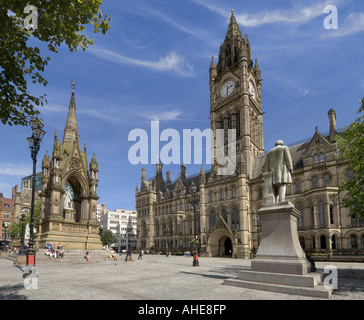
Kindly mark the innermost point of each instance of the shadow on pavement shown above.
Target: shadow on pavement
(11, 293)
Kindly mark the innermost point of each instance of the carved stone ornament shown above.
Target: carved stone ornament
(75, 163)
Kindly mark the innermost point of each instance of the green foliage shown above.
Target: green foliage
(194, 242)
(15, 229)
(108, 238)
(350, 144)
(59, 21)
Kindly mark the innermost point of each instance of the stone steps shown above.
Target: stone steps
(305, 285)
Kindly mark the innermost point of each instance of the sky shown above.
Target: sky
(153, 65)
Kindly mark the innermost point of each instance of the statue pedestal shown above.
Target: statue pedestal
(69, 214)
(280, 264)
(280, 250)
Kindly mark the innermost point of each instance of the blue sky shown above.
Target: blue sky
(154, 65)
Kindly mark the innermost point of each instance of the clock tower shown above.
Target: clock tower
(235, 96)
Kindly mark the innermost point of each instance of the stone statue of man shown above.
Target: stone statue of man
(67, 199)
(278, 163)
(27, 232)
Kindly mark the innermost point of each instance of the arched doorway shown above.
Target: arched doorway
(219, 243)
(228, 247)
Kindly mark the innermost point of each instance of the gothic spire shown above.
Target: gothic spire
(233, 29)
(71, 131)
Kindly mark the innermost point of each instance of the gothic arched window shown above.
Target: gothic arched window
(323, 242)
(298, 186)
(353, 241)
(314, 182)
(321, 214)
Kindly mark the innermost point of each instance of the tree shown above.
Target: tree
(108, 238)
(52, 22)
(350, 145)
(15, 229)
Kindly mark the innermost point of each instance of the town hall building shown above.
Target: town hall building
(221, 210)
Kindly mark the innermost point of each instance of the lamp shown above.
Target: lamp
(34, 145)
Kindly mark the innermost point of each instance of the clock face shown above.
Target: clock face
(252, 89)
(227, 89)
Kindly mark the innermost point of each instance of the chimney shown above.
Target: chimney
(168, 177)
(183, 174)
(143, 175)
(332, 119)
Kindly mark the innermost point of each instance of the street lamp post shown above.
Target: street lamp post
(5, 226)
(34, 145)
(22, 249)
(128, 252)
(195, 206)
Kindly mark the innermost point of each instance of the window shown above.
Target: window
(235, 219)
(6, 206)
(237, 124)
(300, 218)
(323, 242)
(229, 122)
(212, 219)
(314, 182)
(333, 242)
(326, 180)
(332, 220)
(222, 194)
(211, 196)
(354, 241)
(233, 192)
(224, 215)
(298, 186)
(322, 157)
(321, 214)
(315, 158)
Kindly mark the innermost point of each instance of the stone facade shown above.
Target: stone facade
(7, 215)
(69, 192)
(226, 220)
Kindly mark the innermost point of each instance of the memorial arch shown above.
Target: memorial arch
(69, 192)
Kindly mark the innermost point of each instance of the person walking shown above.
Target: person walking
(88, 256)
(140, 257)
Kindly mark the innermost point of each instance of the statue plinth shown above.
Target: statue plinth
(69, 214)
(280, 250)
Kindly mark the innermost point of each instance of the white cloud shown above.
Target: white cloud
(20, 170)
(296, 15)
(171, 62)
(161, 116)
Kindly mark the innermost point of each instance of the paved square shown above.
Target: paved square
(155, 278)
